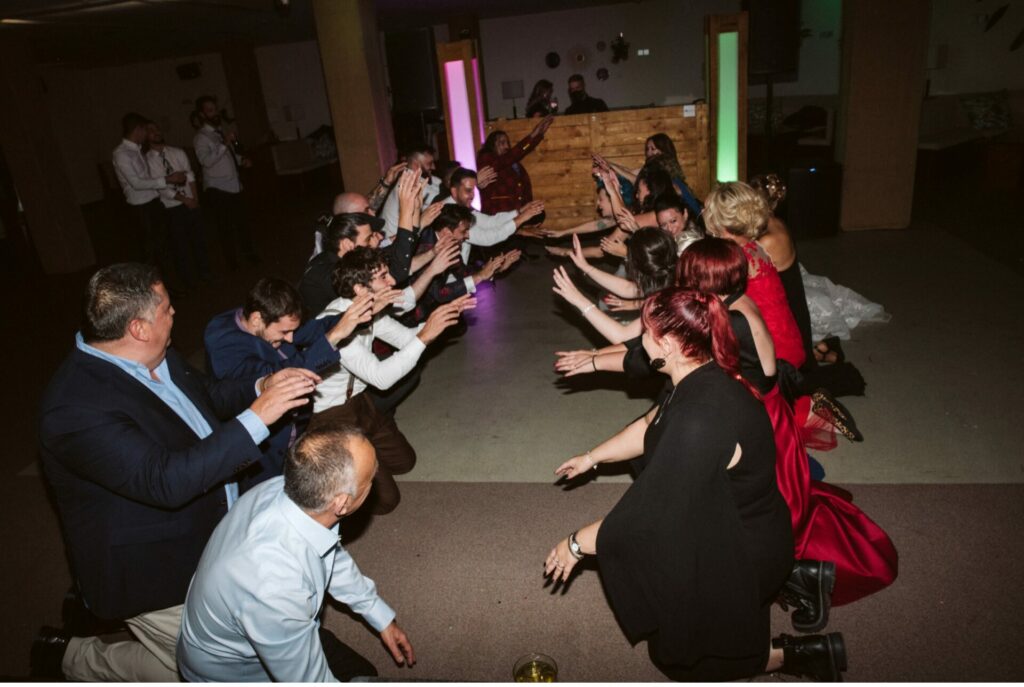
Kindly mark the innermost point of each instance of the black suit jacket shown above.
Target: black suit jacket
(138, 492)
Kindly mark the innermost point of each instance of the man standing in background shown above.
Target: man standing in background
(216, 150)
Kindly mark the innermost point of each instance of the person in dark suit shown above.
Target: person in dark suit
(264, 336)
(139, 450)
(582, 102)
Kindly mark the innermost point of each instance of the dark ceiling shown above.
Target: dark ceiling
(98, 32)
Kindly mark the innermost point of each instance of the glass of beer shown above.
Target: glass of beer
(535, 668)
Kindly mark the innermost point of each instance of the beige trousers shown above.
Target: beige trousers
(150, 659)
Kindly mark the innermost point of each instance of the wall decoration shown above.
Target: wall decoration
(552, 60)
(620, 49)
(602, 74)
(577, 57)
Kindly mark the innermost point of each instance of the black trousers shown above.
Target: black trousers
(228, 212)
(345, 663)
(151, 220)
(188, 243)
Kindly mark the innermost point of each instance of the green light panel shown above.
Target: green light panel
(727, 155)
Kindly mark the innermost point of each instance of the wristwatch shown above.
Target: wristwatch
(574, 547)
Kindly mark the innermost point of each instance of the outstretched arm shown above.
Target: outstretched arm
(608, 328)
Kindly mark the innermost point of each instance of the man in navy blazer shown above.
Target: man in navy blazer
(138, 448)
(263, 337)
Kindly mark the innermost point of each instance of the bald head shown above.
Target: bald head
(351, 202)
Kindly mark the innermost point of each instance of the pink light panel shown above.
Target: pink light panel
(460, 120)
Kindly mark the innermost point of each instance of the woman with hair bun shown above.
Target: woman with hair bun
(697, 549)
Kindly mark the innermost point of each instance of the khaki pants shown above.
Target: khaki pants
(153, 658)
(394, 454)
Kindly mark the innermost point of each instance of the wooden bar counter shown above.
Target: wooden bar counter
(560, 167)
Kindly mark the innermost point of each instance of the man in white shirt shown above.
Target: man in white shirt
(216, 150)
(142, 190)
(419, 159)
(181, 203)
(489, 230)
(342, 397)
(253, 608)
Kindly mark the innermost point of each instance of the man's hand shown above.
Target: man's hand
(617, 304)
(393, 172)
(444, 317)
(532, 232)
(398, 644)
(508, 259)
(558, 251)
(431, 212)
(282, 391)
(528, 211)
(488, 271)
(360, 312)
(384, 299)
(486, 176)
(410, 186)
(444, 257)
(175, 178)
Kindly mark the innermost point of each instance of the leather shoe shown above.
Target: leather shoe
(820, 657)
(47, 654)
(809, 591)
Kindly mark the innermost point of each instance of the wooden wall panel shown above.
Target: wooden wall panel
(560, 167)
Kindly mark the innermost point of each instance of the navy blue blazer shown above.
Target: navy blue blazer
(233, 353)
(137, 491)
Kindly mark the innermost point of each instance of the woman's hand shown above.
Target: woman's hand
(571, 363)
(567, 290)
(577, 257)
(614, 247)
(560, 562)
(559, 251)
(617, 304)
(575, 466)
(626, 220)
(542, 126)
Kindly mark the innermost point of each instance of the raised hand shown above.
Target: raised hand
(282, 391)
(446, 254)
(444, 317)
(384, 299)
(488, 271)
(486, 176)
(430, 213)
(567, 290)
(576, 255)
(508, 259)
(614, 247)
(542, 126)
(531, 210)
(408, 190)
(626, 220)
(360, 312)
(393, 172)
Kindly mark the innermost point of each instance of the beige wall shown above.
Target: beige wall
(975, 60)
(293, 85)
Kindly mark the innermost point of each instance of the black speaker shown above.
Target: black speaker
(774, 37)
(412, 69)
(813, 193)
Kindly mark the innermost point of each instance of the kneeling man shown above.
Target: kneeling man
(253, 610)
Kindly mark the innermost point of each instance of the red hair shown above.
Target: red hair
(713, 265)
(699, 323)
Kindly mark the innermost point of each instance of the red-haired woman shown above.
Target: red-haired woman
(697, 549)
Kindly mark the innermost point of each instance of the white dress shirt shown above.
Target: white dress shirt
(132, 171)
(178, 162)
(252, 610)
(358, 359)
(220, 166)
(389, 213)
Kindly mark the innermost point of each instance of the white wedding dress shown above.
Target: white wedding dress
(835, 309)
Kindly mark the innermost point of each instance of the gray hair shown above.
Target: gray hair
(319, 466)
(116, 295)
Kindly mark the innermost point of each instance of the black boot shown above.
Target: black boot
(809, 591)
(47, 654)
(819, 657)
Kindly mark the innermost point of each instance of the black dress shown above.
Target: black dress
(693, 554)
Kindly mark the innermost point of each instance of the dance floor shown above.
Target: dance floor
(941, 470)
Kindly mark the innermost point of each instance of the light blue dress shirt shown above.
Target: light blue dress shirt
(252, 611)
(176, 400)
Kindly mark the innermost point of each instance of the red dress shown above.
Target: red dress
(826, 524)
(764, 287)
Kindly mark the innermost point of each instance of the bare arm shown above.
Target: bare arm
(589, 227)
(610, 329)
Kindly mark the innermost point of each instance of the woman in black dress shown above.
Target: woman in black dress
(695, 552)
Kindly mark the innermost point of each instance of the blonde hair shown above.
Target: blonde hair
(736, 208)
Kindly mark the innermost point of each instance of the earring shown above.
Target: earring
(658, 363)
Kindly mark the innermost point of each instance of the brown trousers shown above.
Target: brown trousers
(395, 456)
